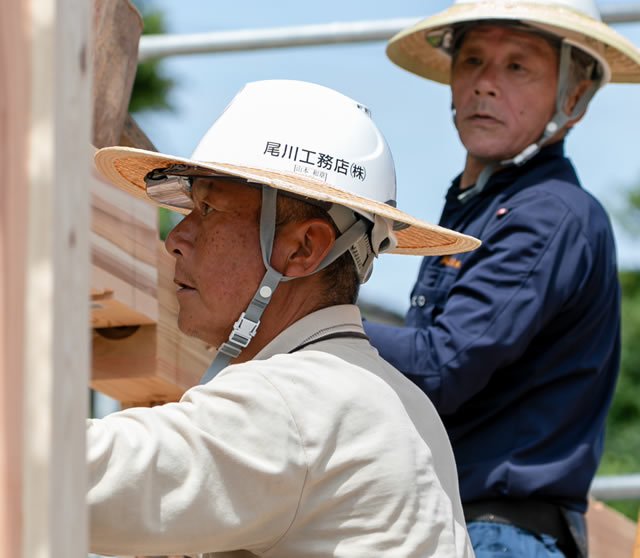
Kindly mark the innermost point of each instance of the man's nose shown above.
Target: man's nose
(179, 239)
(487, 82)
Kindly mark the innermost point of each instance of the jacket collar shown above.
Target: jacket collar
(508, 174)
(327, 321)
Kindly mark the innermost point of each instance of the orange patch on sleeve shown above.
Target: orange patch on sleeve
(450, 261)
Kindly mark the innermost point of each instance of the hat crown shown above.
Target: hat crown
(303, 129)
(587, 7)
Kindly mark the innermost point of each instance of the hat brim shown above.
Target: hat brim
(410, 50)
(126, 168)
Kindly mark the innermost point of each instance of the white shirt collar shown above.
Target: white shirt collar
(343, 318)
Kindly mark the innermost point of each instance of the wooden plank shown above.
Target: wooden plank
(124, 233)
(152, 364)
(56, 338)
(107, 312)
(129, 224)
(125, 369)
(636, 542)
(15, 61)
(124, 290)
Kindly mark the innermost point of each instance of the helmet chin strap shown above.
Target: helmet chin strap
(246, 326)
(558, 120)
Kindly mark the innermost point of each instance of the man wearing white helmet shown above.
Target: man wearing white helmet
(308, 444)
(517, 343)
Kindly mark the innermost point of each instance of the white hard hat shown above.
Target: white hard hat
(301, 138)
(577, 21)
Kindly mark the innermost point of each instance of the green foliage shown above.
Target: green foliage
(626, 410)
(630, 214)
(167, 219)
(151, 86)
(622, 443)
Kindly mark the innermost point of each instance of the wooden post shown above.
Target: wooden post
(636, 542)
(44, 342)
(15, 62)
(116, 31)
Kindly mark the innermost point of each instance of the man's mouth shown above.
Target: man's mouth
(183, 286)
(482, 117)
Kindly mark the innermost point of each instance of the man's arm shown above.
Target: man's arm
(222, 469)
(532, 261)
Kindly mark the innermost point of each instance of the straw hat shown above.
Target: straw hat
(301, 119)
(576, 20)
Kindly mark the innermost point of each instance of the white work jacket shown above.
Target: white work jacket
(316, 448)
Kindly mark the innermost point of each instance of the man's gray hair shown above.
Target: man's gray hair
(583, 67)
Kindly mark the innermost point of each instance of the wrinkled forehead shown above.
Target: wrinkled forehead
(223, 187)
(235, 188)
(525, 37)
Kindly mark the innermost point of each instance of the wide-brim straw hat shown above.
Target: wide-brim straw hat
(126, 168)
(411, 50)
(313, 120)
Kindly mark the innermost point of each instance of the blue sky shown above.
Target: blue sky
(412, 112)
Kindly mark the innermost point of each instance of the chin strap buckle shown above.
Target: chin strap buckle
(244, 330)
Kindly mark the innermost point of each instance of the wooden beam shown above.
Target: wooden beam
(124, 233)
(116, 30)
(139, 356)
(56, 337)
(155, 362)
(15, 61)
(44, 347)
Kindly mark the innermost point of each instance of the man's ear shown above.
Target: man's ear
(299, 247)
(573, 98)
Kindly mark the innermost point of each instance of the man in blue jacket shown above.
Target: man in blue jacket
(517, 343)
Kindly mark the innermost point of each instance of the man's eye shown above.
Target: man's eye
(516, 66)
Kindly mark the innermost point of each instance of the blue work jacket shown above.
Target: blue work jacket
(517, 343)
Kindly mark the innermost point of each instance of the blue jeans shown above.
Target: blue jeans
(498, 540)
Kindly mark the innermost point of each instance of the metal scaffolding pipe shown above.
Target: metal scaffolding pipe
(620, 13)
(155, 46)
(152, 46)
(616, 487)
